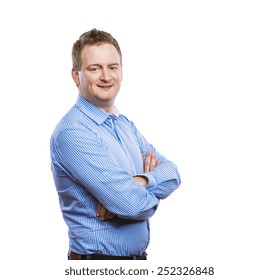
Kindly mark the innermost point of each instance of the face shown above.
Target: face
(100, 77)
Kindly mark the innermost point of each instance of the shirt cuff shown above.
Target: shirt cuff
(151, 179)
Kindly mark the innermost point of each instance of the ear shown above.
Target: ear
(75, 76)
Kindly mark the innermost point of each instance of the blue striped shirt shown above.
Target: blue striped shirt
(94, 157)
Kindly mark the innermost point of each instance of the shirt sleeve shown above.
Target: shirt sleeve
(165, 178)
(86, 160)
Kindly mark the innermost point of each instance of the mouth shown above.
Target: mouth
(105, 87)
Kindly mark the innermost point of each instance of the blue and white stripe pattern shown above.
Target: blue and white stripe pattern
(94, 158)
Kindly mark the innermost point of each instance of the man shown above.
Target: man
(108, 177)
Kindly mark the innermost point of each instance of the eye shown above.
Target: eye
(94, 69)
(113, 68)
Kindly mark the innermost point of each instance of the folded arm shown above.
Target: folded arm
(90, 165)
(149, 164)
(165, 178)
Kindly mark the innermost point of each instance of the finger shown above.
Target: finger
(99, 207)
(152, 161)
(107, 214)
(157, 163)
(103, 213)
(147, 162)
(111, 216)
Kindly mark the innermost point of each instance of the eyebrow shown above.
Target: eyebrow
(99, 65)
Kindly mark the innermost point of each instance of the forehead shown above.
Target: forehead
(99, 54)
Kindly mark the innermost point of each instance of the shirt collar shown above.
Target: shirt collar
(96, 114)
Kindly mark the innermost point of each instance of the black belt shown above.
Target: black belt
(74, 256)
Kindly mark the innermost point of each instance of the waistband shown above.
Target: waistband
(74, 256)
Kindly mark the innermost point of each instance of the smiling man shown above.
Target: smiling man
(109, 179)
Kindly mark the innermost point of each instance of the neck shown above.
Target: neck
(107, 106)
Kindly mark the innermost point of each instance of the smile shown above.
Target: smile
(105, 86)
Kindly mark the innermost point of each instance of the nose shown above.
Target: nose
(105, 75)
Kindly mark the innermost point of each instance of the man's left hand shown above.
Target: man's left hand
(103, 214)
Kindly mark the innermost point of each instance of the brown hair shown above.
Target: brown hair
(92, 37)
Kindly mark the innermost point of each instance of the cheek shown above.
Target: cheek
(119, 78)
(89, 81)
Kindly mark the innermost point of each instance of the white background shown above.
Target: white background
(200, 82)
